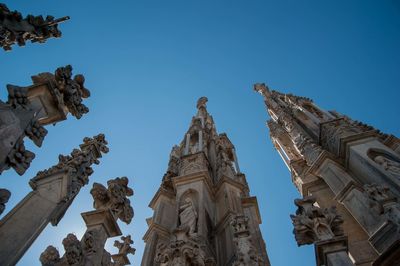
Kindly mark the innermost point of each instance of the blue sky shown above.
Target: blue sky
(147, 62)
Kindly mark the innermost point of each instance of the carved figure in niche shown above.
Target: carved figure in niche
(389, 165)
(188, 216)
(386, 161)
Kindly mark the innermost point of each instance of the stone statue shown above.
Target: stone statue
(114, 198)
(202, 102)
(50, 256)
(389, 165)
(188, 216)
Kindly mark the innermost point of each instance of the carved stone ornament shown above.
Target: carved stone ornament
(69, 90)
(19, 158)
(383, 201)
(77, 164)
(246, 254)
(14, 29)
(333, 131)
(90, 241)
(114, 198)
(50, 256)
(184, 251)
(124, 247)
(4, 197)
(313, 224)
(193, 163)
(73, 253)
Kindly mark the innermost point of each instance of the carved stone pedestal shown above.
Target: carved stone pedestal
(332, 252)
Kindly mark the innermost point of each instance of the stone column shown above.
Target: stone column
(200, 140)
(187, 144)
(53, 192)
(322, 227)
(18, 30)
(111, 204)
(236, 161)
(29, 109)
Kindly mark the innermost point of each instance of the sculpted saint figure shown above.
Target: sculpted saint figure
(188, 215)
(389, 165)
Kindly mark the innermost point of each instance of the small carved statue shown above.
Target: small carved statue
(188, 216)
(50, 256)
(389, 165)
(114, 198)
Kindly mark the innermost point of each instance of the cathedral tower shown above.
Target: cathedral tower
(203, 212)
(342, 163)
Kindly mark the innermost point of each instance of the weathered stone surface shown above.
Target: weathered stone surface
(14, 29)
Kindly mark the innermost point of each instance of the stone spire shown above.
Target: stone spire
(343, 163)
(202, 192)
(14, 29)
(53, 192)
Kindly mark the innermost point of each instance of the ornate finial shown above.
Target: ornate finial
(70, 90)
(261, 88)
(124, 247)
(201, 102)
(313, 224)
(114, 198)
(14, 29)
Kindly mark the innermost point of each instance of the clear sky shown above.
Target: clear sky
(147, 63)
